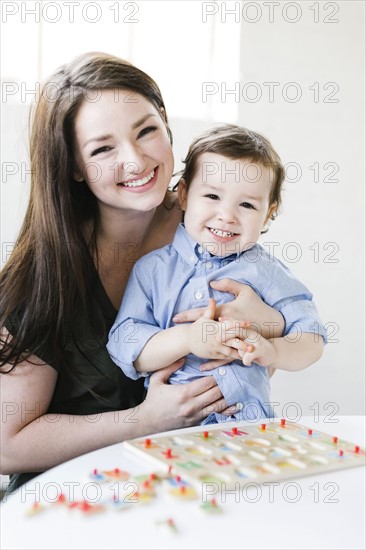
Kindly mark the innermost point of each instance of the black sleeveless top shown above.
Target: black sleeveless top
(97, 384)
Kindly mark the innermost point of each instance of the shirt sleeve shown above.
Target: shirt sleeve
(134, 325)
(295, 302)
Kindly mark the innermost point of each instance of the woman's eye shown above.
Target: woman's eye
(147, 130)
(212, 197)
(247, 205)
(103, 149)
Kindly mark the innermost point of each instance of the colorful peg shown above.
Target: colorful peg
(263, 427)
(283, 422)
(335, 440)
(357, 449)
(310, 431)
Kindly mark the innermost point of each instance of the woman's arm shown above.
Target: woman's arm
(246, 305)
(32, 440)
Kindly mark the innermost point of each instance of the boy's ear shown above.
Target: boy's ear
(271, 210)
(182, 193)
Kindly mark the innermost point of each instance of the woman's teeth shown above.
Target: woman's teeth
(138, 183)
(220, 233)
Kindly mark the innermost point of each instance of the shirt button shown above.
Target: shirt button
(222, 371)
(240, 406)
(198, 295)
(200, 249)
(209, 265)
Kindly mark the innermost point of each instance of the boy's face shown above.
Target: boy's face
(227, 203)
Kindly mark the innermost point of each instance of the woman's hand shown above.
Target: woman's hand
(168, 407)
(246, 305)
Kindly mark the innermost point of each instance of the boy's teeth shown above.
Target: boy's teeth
(220, 233)
(138, 183)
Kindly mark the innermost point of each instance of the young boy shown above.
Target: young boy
(230, 189)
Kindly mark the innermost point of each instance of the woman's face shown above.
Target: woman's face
(122, 151)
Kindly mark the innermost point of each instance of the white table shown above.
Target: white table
(326, 511)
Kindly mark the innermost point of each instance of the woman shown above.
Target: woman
(101, 162)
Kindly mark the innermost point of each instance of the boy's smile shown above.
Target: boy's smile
(227, 203)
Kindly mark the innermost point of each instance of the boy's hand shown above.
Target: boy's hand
(254, 349)
(208, 338)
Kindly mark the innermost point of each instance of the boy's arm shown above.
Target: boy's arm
(291, 353)
(203, 338)
(163, 349)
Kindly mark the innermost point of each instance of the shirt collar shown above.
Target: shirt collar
(191, 251)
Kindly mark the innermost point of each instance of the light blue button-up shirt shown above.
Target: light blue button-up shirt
(177, 277)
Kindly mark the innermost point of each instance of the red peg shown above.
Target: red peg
(357, 449)
(182, 489)
(95, 471)
(178, 478)
(214, 502)
(263, 426)
(61, 498)
(234, 431)
(146, 484)
(147, 442)
(205, 435)
(153, 476)
(335, 439)
(168, 453)
(310, 431)
(340, 452)
(283, 422)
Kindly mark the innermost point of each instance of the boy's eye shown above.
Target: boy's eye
(247, 205)
(212, 197)
(147, 130)
(103, 149)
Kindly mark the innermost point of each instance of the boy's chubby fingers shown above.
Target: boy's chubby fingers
(230, 323)
(229, 332)
(241, 345)
(247, 357)
(210, 310)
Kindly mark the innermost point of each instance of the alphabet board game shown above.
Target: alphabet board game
(237, 454)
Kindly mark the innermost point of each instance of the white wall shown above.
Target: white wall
(304, 132)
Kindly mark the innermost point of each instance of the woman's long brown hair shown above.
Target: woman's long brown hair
(48, 275)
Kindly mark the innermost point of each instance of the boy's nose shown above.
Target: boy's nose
(227, 214)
